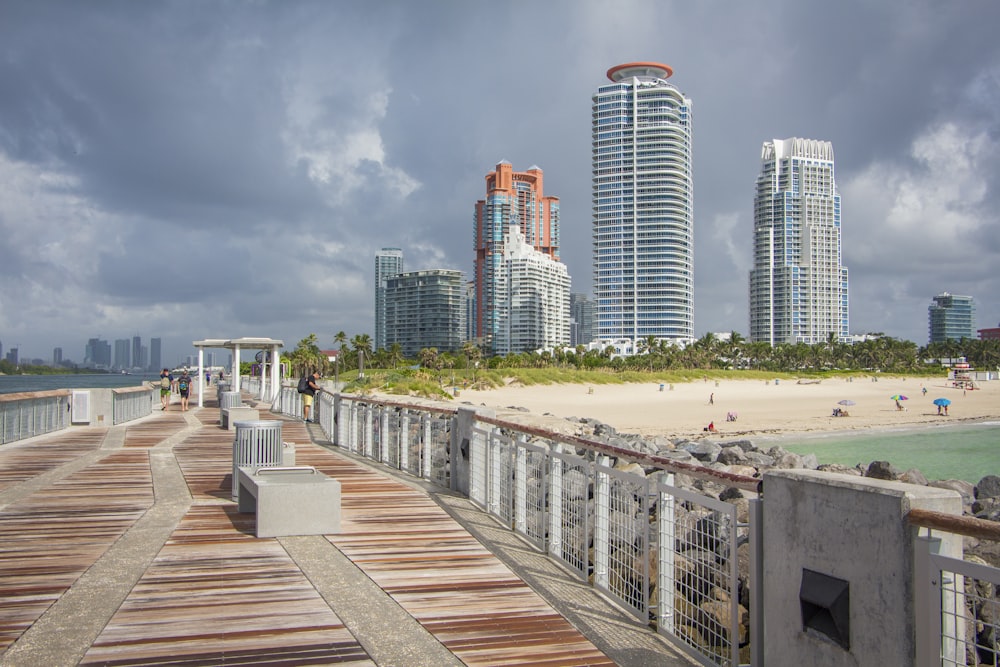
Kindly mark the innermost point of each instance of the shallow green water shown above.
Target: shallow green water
(962, 452)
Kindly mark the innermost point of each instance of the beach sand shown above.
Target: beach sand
(763, 408)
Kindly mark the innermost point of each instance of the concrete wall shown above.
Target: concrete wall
(851, 529)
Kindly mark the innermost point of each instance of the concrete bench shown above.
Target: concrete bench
(297, 500)
(229, 416)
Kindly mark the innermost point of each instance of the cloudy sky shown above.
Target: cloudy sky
(219, 169)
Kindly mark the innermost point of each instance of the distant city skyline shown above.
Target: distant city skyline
(228, 181)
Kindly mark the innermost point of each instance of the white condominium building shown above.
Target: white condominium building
(533, 303)
(643, 208)
(798, 286)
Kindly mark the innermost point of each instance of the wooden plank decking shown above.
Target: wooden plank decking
(214, 593)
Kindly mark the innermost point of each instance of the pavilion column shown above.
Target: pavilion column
(275, 373)
(236, 367)
(201, 377)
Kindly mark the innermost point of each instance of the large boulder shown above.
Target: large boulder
(705, 451)
(988, 487)
(882, 470)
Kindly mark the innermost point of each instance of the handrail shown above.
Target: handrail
(962, 525)
(27, 395)
(698, 472)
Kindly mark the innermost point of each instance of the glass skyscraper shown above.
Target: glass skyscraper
(798, 285)
(388, 263)
(643, 208)
(951, 317)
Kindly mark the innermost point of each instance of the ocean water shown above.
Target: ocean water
(967, 451)
(14, 383)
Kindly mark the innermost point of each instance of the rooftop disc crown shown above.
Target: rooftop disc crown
(628, 70)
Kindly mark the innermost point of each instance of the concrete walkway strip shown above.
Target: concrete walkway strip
(387, 633)
(64, 633)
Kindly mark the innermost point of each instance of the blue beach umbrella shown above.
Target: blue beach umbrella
(846, 401)
(942, 402)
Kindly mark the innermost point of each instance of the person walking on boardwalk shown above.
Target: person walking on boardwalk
(166, 382)
(184, 388)
(308, 389)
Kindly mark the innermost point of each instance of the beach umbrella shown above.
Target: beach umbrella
(942, 402)
(845, 402)
(898, 397)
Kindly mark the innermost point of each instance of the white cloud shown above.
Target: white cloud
(928, 207)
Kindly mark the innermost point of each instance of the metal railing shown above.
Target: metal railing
(25, 415)
(957, 601)
(631, 535)
(132, 403)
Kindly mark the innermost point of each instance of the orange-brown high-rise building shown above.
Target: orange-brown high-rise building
(512, 198)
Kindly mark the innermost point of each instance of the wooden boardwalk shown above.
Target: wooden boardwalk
(149, 506)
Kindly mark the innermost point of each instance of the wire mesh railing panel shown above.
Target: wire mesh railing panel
(500, 479)
(478, 449)
(698, 585)
(391, 420)
(621, 546)
(969, 611)
(437, 461)
(532, 464)
(410, 442)
(569, 528)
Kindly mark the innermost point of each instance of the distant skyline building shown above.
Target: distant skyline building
(992, 333)
(137, 351)
(581, 319)
(425, 309)
(643, 208)
(388, 263)
(57, 356)
(532, 298)
(155, 354)
(97, 353)
(951, 317)
(122, 354)
(798, 288)
(512, 198)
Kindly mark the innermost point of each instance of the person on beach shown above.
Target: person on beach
(166, 382)
(308, 394)
(711, 399)
(184, 389)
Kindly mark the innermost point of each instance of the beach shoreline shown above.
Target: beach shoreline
(770, 410)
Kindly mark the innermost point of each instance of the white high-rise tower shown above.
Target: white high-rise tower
(798, 286)
(643, 208)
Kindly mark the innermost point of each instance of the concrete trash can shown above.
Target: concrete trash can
(257, 445)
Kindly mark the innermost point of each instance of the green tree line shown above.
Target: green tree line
(879, 353)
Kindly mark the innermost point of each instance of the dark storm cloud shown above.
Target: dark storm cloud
(269, 149)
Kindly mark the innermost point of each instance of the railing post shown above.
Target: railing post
(602, 523)
(665, 539)
(426, 445)
(404, 439)
(520, 486)
(756, 582)
(383, 437)
(927, 602)
(368, 437)
(555, 503)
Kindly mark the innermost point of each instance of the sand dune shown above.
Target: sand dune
(762, 408)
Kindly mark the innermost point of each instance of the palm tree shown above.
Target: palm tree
(395, 355)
